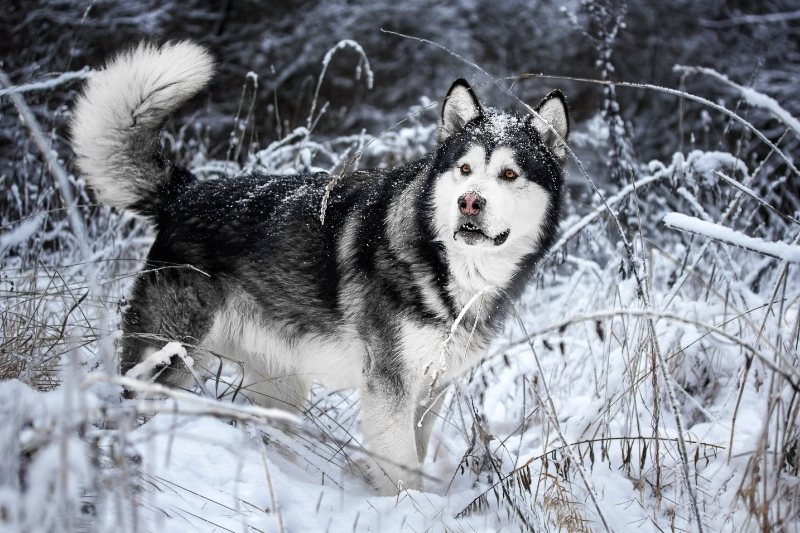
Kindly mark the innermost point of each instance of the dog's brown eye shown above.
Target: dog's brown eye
(510, 174)
(465, 168)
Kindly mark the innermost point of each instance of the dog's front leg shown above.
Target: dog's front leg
(427, 413)
(387, 418)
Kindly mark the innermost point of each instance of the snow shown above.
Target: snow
(209, 466)
(780, 250)
(155, 359)
(757, 99)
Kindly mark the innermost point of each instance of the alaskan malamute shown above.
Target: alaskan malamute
(396, 292)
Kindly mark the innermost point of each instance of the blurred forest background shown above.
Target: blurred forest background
(754, 43)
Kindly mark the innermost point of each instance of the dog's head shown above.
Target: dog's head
(498, 176)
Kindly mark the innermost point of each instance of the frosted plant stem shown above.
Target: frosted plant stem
(732, 206)
(551, 414)
(749, 362)
(784, 275)
(644, 294)
(576, 228)
(346, 43)
(673, 404)
(749, 192)
(790, 373)
(61, 176)
(203, 405)
(716, 232)
(273, 499)
(65, 77)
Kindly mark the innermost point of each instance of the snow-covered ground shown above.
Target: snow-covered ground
(639, 383)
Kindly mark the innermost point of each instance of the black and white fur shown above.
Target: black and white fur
(366, 300)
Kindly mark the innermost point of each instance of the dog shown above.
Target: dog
(397, 292)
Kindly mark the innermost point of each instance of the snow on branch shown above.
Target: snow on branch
(576, 228)
(779, 250)
(81, 74)
(192, 404)
(751, 96)
(155, 359)
(748, 19)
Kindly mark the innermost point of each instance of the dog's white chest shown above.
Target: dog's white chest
(434, 354)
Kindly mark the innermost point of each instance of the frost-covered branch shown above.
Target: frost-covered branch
(81, 74)
(779, 250)
(610, 202)
(751, 96)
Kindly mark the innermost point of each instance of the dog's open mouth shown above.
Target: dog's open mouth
(472, 235)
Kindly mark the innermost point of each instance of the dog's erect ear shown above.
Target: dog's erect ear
(460, 106)
(553, 111)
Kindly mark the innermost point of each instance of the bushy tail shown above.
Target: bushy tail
(117, 119)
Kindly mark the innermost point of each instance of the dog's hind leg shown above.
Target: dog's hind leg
(168, 304)
(279, 390)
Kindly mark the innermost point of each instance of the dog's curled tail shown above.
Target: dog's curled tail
(120, 113)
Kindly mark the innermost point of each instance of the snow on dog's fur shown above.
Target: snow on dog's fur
(368, 299)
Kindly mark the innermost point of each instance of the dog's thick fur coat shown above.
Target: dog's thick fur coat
(397, 292)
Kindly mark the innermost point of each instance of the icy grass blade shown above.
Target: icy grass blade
(62, 181)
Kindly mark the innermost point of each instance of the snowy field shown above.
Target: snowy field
(647, 379)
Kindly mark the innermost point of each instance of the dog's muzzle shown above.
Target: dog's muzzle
(473, 235)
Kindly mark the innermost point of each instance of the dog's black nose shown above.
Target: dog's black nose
(471, 203)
